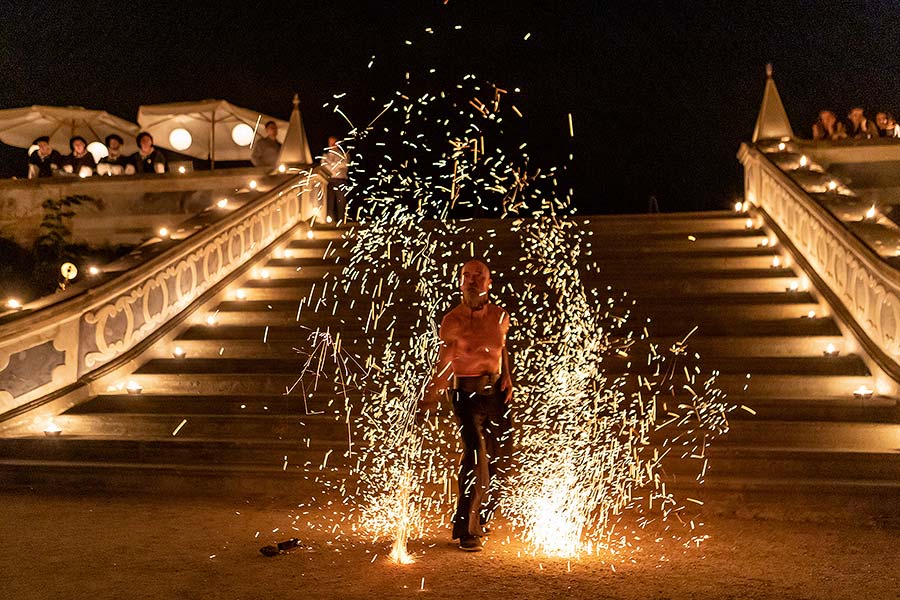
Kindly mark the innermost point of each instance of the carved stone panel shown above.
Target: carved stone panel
(30, 369)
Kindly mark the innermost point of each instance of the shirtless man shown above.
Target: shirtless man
(474, 364)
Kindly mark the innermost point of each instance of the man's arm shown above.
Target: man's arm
(506, 385)
(443, 370)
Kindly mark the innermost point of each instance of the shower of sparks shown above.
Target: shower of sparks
(601, 411)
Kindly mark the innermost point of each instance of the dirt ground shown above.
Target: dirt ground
(134, 548)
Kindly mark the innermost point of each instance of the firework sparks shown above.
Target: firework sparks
(601, 409)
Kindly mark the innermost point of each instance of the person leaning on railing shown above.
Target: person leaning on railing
(887, 125)
(148, 158)
(115, 163)
(45, 161)
(859, 127)
(828, 127)
(79, 162)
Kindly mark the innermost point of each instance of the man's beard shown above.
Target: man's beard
(474, 300)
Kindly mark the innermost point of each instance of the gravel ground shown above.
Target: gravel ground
(120, 547)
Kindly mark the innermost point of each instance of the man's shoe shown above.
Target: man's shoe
(470, 543)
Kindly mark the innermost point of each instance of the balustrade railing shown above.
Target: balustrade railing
(53, 348)
(863, 289)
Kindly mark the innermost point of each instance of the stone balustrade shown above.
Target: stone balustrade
(863, 288)
(45, 351)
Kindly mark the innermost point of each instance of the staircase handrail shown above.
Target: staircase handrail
(861, 288)
(53, 347)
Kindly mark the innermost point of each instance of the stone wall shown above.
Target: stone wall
(131, 207)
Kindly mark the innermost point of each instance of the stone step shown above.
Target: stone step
(750, 462)
(298, 428)
(823, 436)
(612, 365)
(297, 334)
(257, 312)
(229, 481)
(709, 347)
(735, 385)
(170, 404)
(266, 453)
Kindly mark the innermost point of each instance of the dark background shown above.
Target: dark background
(662, 93)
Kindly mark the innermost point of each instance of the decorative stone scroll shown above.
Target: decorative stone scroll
(52, 348)
(868, 288)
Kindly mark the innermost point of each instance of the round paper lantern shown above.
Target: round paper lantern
(180, 139)
(98, 150)
(242, 134)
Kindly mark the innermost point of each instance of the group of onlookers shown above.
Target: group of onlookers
(857, 127)
(45, 161)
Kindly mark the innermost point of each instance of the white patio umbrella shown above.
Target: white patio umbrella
(20, 126)
(214, 129)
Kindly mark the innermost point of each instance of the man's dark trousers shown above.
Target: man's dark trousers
(486, 432)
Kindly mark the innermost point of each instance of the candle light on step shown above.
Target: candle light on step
(830, 350)
(862, 392)
(133, 387)
(52, 430)
(179, 352)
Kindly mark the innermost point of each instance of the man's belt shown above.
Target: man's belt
(480, 384)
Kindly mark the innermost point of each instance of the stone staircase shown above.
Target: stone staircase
(218, 420)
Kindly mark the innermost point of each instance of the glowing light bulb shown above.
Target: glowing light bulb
(182, 170)
(804, 161)
(781, 146)
(13, 303)
(163, 232)
(328, 219)
(870, 214)
(211, 320)
(738, 207)
(252, 184)
(242, 134)
(310, 234)
(832, 185)
(282, 168)
(180, 139)
(93, 270)
(178, 352)
(811, 314)
(241, 294)
(223, 203)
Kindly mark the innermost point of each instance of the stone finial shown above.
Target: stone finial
(296, 99)
(769, 70)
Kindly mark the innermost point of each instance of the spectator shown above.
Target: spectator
(828, 127)
(336, 160)
(45, 161)
(860, 128)
(79, 162)
(148, 158)
(114, 163)
(887, 125)
(266, 150)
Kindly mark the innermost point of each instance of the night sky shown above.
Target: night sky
(662, 93)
